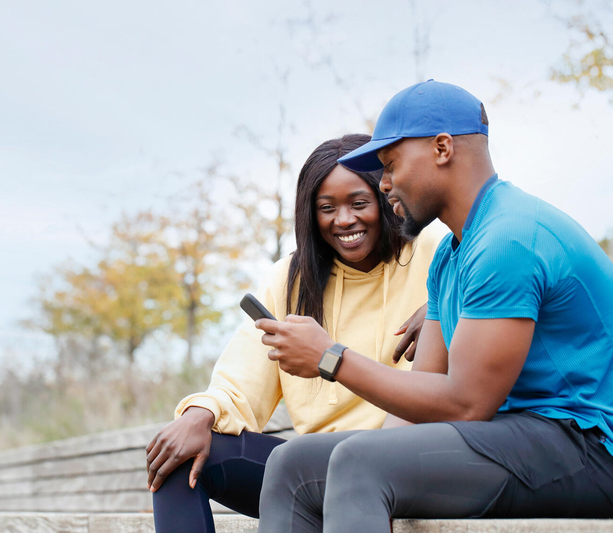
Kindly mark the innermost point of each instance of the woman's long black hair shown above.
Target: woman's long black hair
(312, 261)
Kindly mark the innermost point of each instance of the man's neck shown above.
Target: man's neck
(462, 196)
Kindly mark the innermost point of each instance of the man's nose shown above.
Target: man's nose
(385, 185)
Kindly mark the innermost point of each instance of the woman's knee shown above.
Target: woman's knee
(175, 487)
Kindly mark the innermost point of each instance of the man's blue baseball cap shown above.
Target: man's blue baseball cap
(423, 110)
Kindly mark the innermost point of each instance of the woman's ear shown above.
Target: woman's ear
(444, 149)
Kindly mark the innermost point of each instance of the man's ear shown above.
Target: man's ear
(444, 149)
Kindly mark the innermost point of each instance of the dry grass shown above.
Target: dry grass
(35, 408)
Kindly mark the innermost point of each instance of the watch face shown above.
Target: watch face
(328, 362)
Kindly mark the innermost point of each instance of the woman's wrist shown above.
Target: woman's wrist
(200, 416)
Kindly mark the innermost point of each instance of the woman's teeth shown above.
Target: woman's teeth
(351, 238)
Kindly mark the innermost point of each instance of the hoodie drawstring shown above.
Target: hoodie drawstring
(336, 311)
(381, 325)
(338, 297)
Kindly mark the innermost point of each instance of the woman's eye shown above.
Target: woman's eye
(360, 204)
(326, 208)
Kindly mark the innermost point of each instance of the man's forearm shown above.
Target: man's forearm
(414, 396)
(485, 359)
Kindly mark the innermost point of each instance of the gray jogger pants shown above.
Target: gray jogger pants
(356, 481)
(369, 476)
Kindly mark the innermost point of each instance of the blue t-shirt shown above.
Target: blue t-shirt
(521, 257)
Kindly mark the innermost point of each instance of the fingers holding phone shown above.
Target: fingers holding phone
(255, 309)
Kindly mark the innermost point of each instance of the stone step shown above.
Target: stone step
(143, 523)
(105, 523)
(98, 473)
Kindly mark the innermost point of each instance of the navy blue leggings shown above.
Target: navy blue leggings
(232, 476)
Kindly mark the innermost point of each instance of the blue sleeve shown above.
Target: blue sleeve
(502, 278)
(432, 313)
(433, 278)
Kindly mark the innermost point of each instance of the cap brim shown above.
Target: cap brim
(364, 158)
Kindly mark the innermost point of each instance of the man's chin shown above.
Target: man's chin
(411, 228)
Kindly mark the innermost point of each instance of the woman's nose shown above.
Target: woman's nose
(345, 217)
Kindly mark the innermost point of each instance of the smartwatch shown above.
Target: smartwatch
(330, 361)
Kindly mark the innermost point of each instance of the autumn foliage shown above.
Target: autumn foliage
(172, 279)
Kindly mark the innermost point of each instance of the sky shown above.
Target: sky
(114, 107)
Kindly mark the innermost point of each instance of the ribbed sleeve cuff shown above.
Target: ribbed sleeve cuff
(500, 312)
(196, 400)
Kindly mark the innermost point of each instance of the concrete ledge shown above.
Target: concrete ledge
(143, 523)
(105, 523)
(97, 473)
(540, 525)
(76, 523)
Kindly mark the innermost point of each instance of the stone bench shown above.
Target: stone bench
(143, 523)
(98, 473)
(97, 484)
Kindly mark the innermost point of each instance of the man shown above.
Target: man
(511, 393)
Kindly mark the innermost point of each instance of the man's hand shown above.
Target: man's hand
(186, 437)
(411, 329)
(297, 344)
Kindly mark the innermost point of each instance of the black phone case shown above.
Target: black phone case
(252, 306)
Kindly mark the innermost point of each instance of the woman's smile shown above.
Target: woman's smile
(352, 238)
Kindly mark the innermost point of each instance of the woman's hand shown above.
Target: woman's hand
(411, 329)
(186, 437)
(297, 344)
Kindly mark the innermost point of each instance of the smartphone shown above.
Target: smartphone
(253, 307)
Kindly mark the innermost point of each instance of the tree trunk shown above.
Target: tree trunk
(191, 331)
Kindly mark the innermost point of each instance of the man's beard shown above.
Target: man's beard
(410, 228)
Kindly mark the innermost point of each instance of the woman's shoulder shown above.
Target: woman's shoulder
(280, 267)
(275, 278)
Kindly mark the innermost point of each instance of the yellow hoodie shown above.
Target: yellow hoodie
(361, 310)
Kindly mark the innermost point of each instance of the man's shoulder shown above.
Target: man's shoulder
(514, 214)
(508, 205)
(507, 215)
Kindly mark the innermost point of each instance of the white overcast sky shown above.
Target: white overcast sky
(110, 107)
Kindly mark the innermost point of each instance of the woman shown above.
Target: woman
(353, 273)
